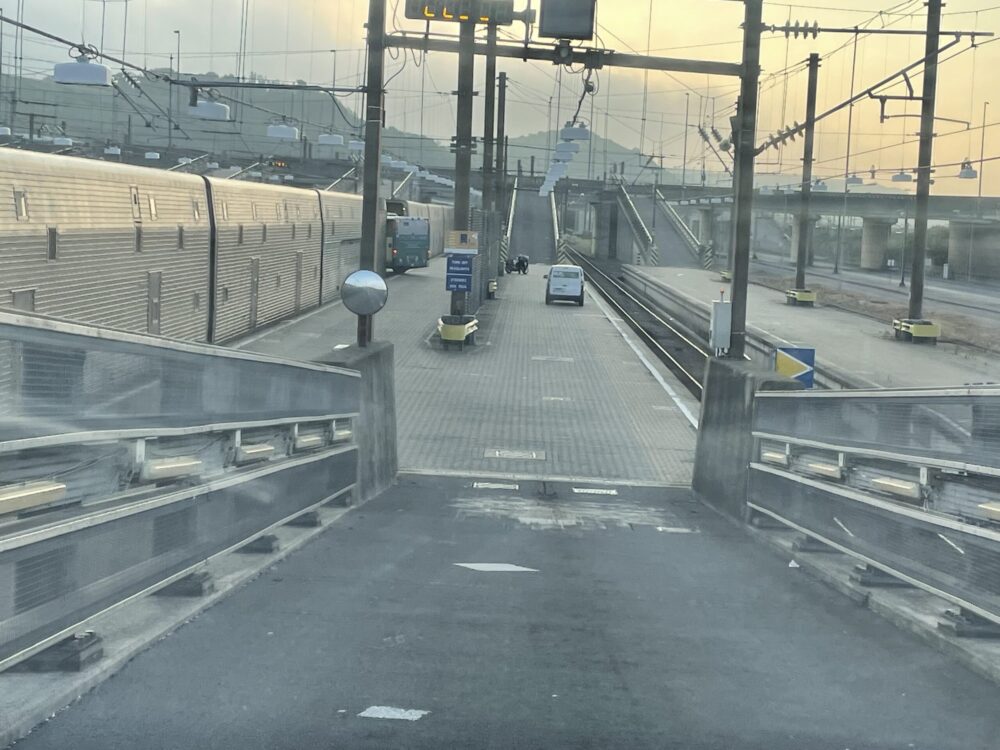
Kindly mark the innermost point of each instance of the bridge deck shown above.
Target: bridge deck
(643, 620)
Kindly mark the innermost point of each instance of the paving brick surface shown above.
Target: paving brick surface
(557, 379)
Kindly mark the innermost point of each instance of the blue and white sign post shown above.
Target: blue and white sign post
(461, 248)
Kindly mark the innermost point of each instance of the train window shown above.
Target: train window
(298, 212)
(23, 299)
(196, 210)
(253, 210)
(263, 233)
(293, 231)
(197, 301)
(152, 207)
(333, 228)
(136, 207)
(21, 205)
(277, 211)
(53, 242)
(225, 294)
(309, 231)
(239, 235)
(180, 237)
(225, 211)
(138, 239)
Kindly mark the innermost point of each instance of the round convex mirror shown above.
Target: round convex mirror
(364, 292)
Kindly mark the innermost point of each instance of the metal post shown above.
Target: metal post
(500, 175)
(805, 219)
(374, 96)
(463, 138)
(489, 122)
(902, 250)
(924, 160)
(684, 163)
(745, 147)
(847, 165)
(170, 109)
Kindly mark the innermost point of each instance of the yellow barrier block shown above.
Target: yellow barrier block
(804, 297)
(457, 332)
(917, 330)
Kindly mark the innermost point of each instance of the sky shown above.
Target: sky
(294, 39)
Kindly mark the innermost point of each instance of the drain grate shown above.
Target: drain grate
(514, 454)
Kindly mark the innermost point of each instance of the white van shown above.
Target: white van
(564, 282)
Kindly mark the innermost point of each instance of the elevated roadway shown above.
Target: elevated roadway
(540, 576)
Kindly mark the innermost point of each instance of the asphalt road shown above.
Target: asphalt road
(647, 621)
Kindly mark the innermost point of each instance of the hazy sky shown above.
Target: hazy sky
(292, 40)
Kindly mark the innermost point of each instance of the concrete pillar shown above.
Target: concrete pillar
(874, 242)
(961, 257)
(793, 248)
(973, 250)
(705, 225)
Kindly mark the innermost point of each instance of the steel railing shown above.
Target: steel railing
(127, 461)
(906, 481)
(648, 251)
(692, 243)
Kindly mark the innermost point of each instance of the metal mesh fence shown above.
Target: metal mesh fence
(960, 426)
(55, 379)
(907, 480)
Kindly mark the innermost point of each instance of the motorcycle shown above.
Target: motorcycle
(510, 265)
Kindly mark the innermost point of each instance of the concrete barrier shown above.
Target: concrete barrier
(725, 443)
(378, 460)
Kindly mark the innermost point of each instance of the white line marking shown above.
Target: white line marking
(555, 398)
(593, 491)
(674, 530)
(841, 525)
(342, 346)
(524, 477)
(496, 568)
(552, 359)
(952, 544)
(692, 420)
(494, 486)
(391, 712)
(514, 454)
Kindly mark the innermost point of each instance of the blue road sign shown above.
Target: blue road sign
(796, 362)
(460, 264)
(459, 282)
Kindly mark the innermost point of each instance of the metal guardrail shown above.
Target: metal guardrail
(694, 246)
(127, 461)
(906, 481)
(508, 230)
(648, 251)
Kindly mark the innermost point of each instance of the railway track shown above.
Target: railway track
(682, 355)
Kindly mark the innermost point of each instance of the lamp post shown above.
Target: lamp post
(172, 125)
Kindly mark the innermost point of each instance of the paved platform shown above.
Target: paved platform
(644, 620)
(851, 342)
(557, 390)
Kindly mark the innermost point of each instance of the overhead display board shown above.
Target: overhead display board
(499, 12)
(567, 19)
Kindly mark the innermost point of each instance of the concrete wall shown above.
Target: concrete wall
(375, 432)
(725, 444)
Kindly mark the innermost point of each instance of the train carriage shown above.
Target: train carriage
(267, 254)
(108, 244)
(341, 239)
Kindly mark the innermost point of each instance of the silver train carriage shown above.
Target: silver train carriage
(172, 254)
